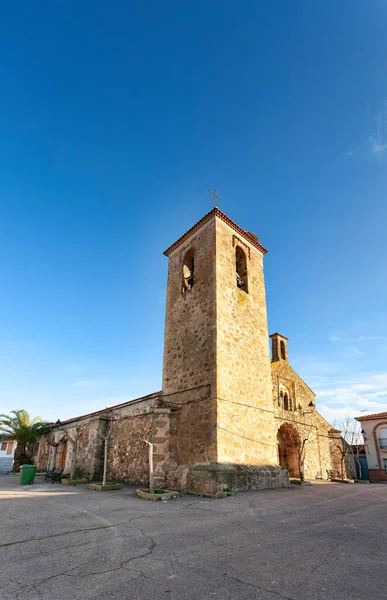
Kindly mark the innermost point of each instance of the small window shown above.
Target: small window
(385, 464)
(241, 269)
(10, 448)
(3, 445)
(188, 271)
(285, 401)
(283, 352)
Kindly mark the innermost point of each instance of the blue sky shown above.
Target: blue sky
(115, 120)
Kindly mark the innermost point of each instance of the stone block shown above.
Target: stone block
(98, 487)
(75, 481)
(162, 495)
(214, 478)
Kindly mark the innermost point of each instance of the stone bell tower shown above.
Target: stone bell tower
(279, 345)
(216, 371)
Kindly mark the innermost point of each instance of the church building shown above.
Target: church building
(228, 417)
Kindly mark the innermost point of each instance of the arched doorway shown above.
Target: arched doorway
(288, 440)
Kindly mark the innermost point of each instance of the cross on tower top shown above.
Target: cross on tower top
(215, 196)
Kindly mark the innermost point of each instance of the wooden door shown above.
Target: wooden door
(63, 455)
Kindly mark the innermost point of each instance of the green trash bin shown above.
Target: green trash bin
(27, 474)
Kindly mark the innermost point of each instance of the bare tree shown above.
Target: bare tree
(299, 438)
(350, 440)
(356, 456)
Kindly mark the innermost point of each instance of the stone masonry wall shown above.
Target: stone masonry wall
(128, 455)
(321, 452)
(190, 324)
(164, 457)
(189, 370)
(303, 418)
(89, 460)
(212, 479)
(193, 436)
(41, 458)
(127, 451)
(246, 432)
(87, 433)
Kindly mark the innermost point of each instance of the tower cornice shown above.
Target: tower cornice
(216, 212)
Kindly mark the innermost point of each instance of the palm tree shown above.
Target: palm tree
(23, 430)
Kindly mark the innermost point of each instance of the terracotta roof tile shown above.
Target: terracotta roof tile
(109, 409)
(250, 237)
(382, 415)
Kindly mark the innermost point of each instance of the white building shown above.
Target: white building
(374, 430)
(7, 452)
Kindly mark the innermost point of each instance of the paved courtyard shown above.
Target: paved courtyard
(326, 541)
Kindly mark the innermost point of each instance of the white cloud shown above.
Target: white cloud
(336, 412)
(363, 386)
(351, 394)
(377, 147)
(347, 370)
(379, 141)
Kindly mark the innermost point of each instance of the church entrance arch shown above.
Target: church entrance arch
(288, 439)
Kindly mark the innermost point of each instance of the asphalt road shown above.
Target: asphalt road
(325, 541)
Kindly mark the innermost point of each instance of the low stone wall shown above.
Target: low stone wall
(214, 478)
(377, 475)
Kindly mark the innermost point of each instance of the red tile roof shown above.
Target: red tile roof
(250, 237)
(279, 334)
(382, 415)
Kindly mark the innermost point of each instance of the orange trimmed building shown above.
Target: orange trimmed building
(374, 431)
